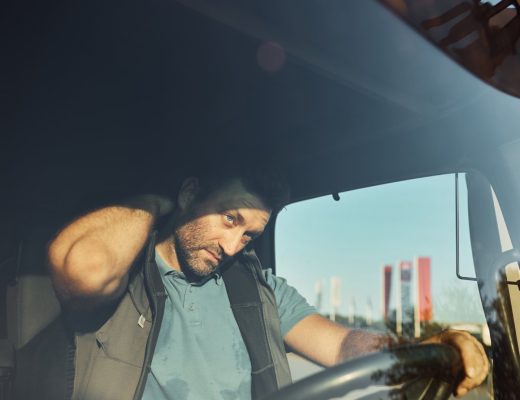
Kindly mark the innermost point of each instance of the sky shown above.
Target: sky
(367, 228)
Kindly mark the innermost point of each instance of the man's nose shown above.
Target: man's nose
(231, 244)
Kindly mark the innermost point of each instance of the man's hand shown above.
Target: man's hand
(156, 205)
(328, 343)
(474, 359)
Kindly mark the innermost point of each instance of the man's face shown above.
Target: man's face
(218, 227)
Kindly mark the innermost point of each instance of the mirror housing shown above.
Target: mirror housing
(482, 37)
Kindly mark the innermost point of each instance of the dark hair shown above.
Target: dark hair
(261, 180)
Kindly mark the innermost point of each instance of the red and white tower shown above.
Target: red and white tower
(386, 290)
(404, 301)
(423, 285)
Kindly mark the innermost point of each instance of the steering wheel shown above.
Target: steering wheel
(421, 371)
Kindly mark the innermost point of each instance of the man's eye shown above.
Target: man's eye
(229, 219)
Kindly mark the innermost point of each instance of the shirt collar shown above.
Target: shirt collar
(166, 269)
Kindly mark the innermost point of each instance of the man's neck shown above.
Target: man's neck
(166, 251)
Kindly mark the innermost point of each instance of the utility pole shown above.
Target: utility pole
(318, 290)
(368, 316)
(335, 296)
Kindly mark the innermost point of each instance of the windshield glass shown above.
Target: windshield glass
(383, 258)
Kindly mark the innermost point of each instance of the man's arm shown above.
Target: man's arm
(90, 258)
(328, 343)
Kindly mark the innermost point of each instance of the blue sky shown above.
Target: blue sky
(352, 239)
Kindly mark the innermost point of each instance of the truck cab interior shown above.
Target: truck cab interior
(104, 100)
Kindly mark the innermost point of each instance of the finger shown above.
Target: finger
(474, 359)
(484, 371)
(480, 360)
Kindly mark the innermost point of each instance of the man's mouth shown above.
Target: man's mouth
(213, 256)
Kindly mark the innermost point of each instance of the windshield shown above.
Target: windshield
(384, 258)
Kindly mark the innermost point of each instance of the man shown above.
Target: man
(208, 345)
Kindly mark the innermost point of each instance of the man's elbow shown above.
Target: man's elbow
(83, 272)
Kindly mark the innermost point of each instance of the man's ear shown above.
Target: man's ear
(188, 192)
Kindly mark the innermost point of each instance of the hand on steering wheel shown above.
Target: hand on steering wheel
(430, 371)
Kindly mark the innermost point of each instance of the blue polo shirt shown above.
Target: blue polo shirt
(200, 353)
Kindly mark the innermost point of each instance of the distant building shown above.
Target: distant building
(424, 308)
(424, 288)
(368, 316)
(386, 290)
(352, 311)
(404, 306)
(318, 290)
(335, 296)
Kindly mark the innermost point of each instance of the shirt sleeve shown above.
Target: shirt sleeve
(292, 306)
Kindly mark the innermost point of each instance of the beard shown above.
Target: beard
(191, 251)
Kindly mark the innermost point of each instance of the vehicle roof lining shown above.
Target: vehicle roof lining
(95, 114)
(311, 51)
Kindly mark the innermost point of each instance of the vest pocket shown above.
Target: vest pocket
(112, 379)
(116, 358)
(123, 338)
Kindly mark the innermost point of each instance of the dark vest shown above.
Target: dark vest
(107, 354)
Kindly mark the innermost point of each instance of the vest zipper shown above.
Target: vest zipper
(71, 371)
